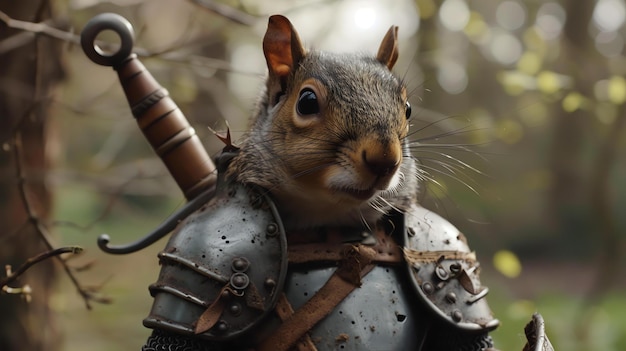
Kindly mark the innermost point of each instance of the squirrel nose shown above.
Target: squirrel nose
(381, 162)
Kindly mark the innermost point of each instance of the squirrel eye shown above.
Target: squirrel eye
(307, 102)
(408, 110)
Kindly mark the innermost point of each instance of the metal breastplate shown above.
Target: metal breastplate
(235, 245)
(379, 315)
(386, 312)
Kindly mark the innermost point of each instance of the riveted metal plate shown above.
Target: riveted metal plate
(443, 270)
(233, 250)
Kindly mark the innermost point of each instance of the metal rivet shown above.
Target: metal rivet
(442, 273)
(428, 288)
(222, 326)
(455, 268)
(270, 283)
(235, 309)
(272, 229)
(240, 264)
(451, 297)
(457, 316)
(225, 294)
(239, 281)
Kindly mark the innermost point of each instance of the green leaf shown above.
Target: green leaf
(515, 82)
(617, 90)
(529, 63)
(476, 28)
(572, 102)
(507, 263)
(548, 82)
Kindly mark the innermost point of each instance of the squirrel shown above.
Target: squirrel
(328, 139)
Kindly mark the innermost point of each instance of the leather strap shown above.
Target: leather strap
(212, 314)
(385, 251)
(284, 311)
(338, 287)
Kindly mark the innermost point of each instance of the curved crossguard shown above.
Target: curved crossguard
(159, 118)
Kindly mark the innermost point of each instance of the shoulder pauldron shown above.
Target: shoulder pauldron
(444, 271)
(223, 268)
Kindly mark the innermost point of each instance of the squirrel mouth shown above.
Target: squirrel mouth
(360, 194)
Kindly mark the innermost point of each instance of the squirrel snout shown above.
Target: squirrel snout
(381, 161)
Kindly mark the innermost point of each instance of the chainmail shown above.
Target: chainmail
(163, 341)
(447, 340)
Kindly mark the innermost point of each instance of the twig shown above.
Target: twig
(40, 229)
(167, 54)
(41, 28)
(247, 19)
(228, 12)
(13, 275)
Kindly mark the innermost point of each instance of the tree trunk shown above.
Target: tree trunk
(29, 71)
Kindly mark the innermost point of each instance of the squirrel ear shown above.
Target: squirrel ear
(282, 48)
(388, 51)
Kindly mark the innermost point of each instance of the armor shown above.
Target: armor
(229, 281)
(343, 288)
(444, 271)
(382, 311)
(535, 332)
(223, 268)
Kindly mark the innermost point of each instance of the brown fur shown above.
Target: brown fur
(320, 167)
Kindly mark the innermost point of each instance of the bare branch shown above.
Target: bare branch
(39, 28)
(39, 227)
(228, 12)
(13, 275)
(167, 54)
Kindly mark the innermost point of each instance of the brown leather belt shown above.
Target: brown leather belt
(355, 261)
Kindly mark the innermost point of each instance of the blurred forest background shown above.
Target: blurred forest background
(519, 108)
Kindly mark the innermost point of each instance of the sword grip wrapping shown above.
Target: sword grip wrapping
(157, 115)
(166, 129)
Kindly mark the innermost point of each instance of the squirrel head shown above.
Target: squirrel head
(328, 138)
